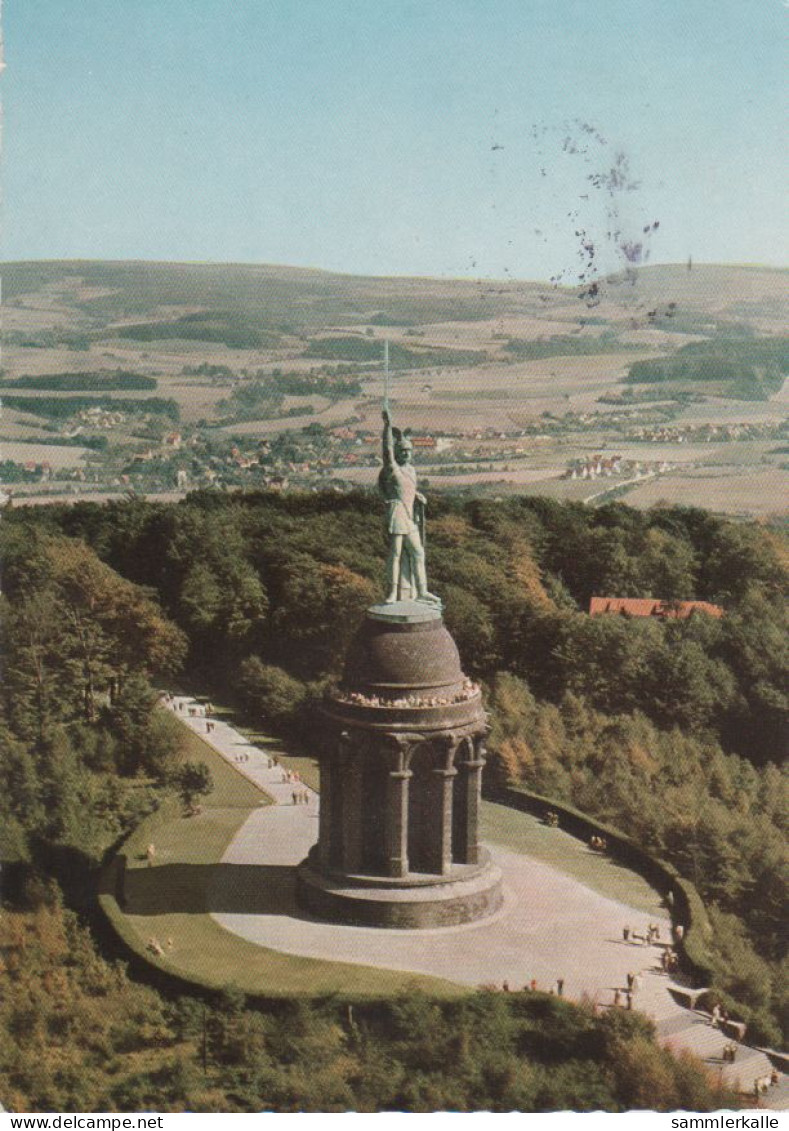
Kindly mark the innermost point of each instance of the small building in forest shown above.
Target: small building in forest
(649, 607)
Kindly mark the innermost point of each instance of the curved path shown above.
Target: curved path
(551, 925)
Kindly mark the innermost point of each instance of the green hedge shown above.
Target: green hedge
(62, 407)
(101, 381)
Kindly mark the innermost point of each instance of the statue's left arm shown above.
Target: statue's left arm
(420, 518)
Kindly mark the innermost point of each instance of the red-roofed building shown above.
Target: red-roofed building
(649, 607)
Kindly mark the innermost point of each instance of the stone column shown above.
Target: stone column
(326, 813)
(472, 768)
(442, 775)
(397, 822)
(441, 847)
(351, 769)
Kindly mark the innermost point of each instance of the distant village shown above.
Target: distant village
(200, 456)
(599, 466)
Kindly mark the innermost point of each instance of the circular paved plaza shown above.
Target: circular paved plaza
(550, 927)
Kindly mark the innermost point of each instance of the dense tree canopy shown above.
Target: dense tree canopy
(80, 645)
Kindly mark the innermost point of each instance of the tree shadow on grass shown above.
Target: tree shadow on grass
(198, 889)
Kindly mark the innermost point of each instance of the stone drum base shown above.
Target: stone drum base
(474, 893)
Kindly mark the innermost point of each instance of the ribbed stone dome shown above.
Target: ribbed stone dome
(392, 659)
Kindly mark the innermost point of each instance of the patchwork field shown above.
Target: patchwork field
(732, 491)
(57, 457)
(258, 373)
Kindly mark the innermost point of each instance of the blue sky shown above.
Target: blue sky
(438, 137)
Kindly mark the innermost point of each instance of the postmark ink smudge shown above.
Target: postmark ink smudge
(610, 243)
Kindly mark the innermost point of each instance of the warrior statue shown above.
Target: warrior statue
(406, 575)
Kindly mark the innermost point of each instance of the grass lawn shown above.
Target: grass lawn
(231, 788)
(524, 833)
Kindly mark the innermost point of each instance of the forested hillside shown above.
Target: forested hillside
(670, 729)
(282, 578)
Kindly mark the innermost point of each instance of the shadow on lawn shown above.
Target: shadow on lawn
(195, 889)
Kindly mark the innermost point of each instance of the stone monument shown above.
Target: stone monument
(401, 754)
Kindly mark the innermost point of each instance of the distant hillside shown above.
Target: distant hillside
(283, 299)
(273, 295)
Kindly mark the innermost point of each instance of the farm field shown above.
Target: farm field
(259, 374)
(728, 490)
(57, 457)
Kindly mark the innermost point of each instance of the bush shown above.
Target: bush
(192, 780)
(270, 692)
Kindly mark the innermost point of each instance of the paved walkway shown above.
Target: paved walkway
(250, 760)
(551, 926)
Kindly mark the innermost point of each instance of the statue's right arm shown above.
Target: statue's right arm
(388, 441)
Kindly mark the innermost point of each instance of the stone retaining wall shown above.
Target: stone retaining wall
(686, 906)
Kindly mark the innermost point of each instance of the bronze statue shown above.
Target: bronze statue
(406, 575)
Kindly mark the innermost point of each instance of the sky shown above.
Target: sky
(464, 138)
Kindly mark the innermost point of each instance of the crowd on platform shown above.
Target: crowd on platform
(468, 691)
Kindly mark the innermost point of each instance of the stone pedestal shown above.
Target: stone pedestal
(401, 757)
